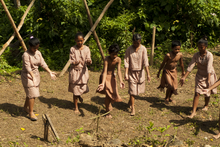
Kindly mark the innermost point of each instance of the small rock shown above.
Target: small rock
(115, 142)
(205, 138)
(208, 146)
(85, 137)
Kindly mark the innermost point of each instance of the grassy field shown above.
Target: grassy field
(154, 121)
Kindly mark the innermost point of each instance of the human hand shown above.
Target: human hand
(100, 87)
(205, 91)
(126, 77)
(89, 61)
(148, 79)
(53, 75)
(122, 85)
(75, 62)
(182, 80)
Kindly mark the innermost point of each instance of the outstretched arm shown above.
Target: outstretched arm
(182, 65)
(44, 65)
(122, 85)
(189, 69)
(102, 85)
(162, 65)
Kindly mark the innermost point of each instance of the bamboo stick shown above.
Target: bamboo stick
(94, 32)
(18, 28)
(152, 46)
(89, 33)
(13, 25)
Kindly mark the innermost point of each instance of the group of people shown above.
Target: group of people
(135, 61)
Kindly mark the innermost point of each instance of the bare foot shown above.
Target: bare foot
(216, 136)
(173, 101)
(76, 111)
(132, 112)
(32, 116)
(192, 115)
(205, 108)
(108, 116)
(166, 101)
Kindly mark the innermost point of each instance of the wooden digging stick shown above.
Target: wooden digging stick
(152, 46)
(88, 34)
(19, 27)
(13, 25)
(94, 32)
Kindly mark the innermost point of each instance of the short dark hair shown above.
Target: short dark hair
(114, 48)
(136, 37)
(34, 42)
(79, 34)
(176, 43)
(203, 41)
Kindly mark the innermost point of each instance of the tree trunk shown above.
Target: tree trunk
(17, 3)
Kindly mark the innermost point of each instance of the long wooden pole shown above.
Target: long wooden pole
(18, 28)
(89, 33)
(152, 46)
(94, 32)
(13, 25)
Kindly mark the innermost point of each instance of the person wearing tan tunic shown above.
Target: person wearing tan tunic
(135, 60)
(169, 75)
(30, 75)
(108, 83)
(205, 75)
(80, 56)
(208, 90)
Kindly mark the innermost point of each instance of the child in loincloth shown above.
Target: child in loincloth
(108, 84)
(169, 75)
(205, 76)
(80, 57)
(135, 61)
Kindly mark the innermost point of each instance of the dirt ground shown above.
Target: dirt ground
(56, 101)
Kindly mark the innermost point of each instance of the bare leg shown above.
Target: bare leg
(195, 104)
(218, 135)
(170, 100)
(26, 105)
(132, 105)
(110, 107)
(31, 109)
(129, 103)
(75, 98)
(205, 108)
(107, 105)
(167, 96)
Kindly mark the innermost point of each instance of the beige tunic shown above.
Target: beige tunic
(135, 61)
(79, 75)
(31, 62)
(205, 66)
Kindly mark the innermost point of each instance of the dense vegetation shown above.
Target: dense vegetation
(56, 21)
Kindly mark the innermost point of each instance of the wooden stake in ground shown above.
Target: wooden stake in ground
(94, 32)
(152, 46)
(18, 28)
(47, 123)
(88, 34)
(13, 25)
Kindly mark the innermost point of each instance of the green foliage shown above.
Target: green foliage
(56, 22)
